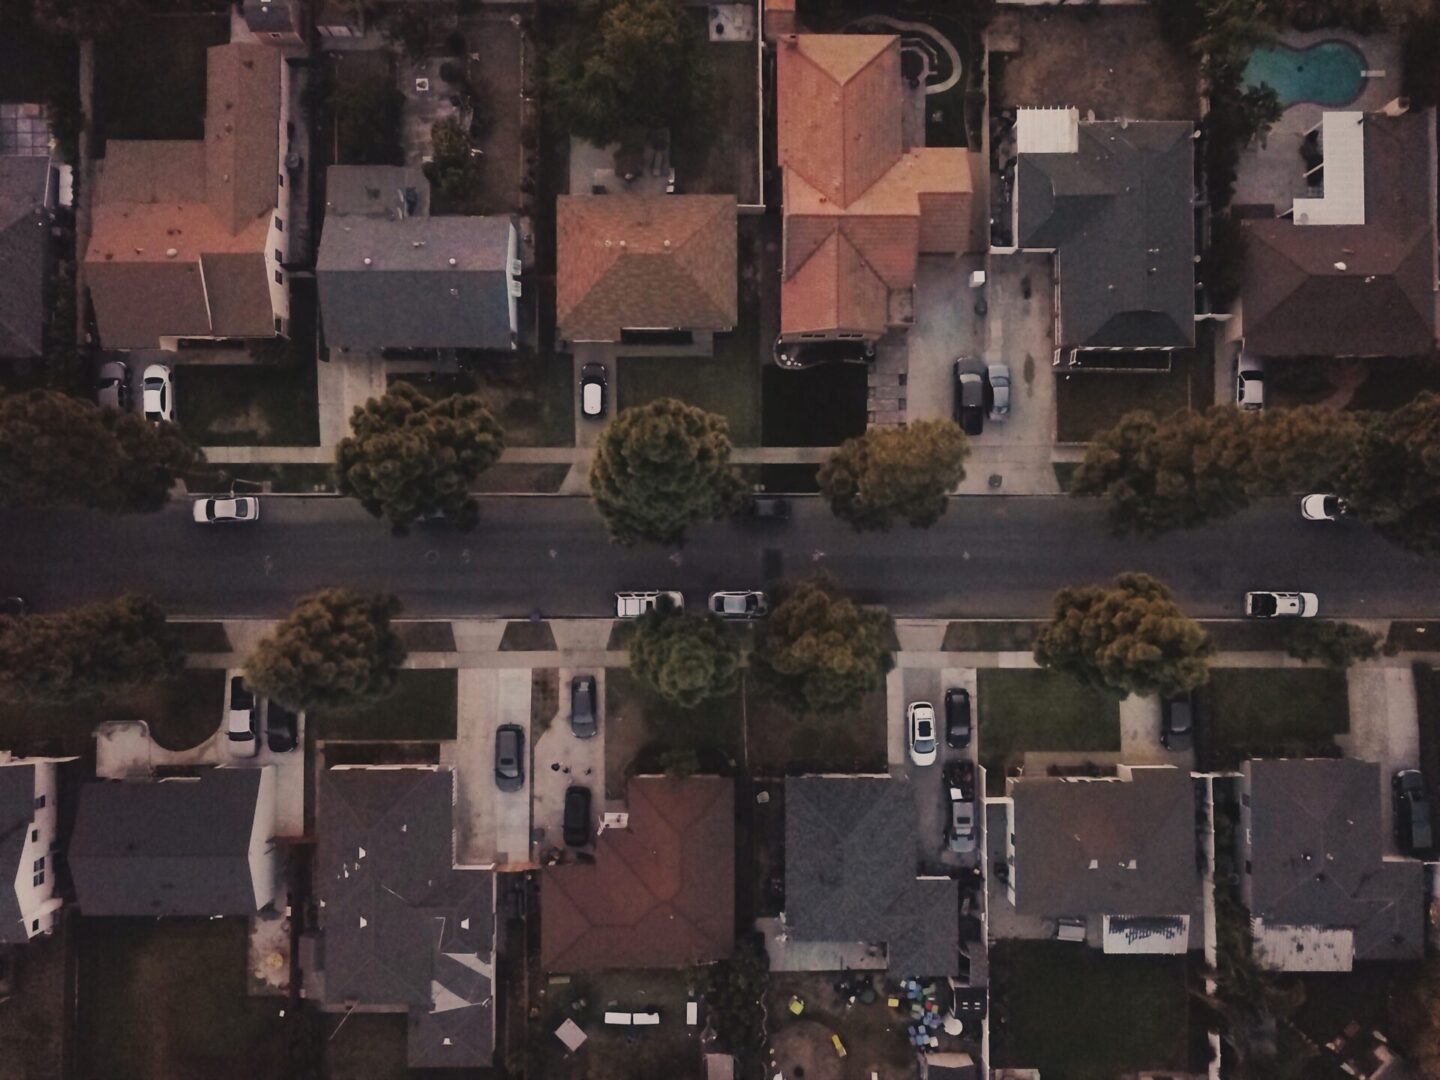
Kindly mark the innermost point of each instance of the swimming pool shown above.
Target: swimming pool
(1326, 73)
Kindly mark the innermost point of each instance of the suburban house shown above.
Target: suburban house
(275, 22)
(863, 197)
(402, 928)
(1116, 852)
(660, 891)
(393, 277)
(1320, 893)
(27, 204)
(1349, 269)
(646, 270)
(186, 239)
(198, 845)
(29, 836)
(1114, 202)
(854, 886)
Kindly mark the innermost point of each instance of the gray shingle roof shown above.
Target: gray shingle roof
(17, 810)
(171, 847)
(376, 191)
(24, 255)
(851, 866)
(1119, 215)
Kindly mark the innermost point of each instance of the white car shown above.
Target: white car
(223, 509)
(998, 376)
(1282, 605)
(1249, 382)
(157, 394)
(924, 748)
(739, 605)
(242, 719)
(1322, 507)
(631, 605)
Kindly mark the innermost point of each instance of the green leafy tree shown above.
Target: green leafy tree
(85, 18)
(1129, 638)
(679, 762)
(56, 450)
(1335, 644)
(660, 468)
(819, 652)
(889, 473)
(452, 170)
(336, 650)
(1393, 479)
(409, 456)
(684, 658)
(87, 652)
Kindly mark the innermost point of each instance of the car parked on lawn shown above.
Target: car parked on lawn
(157, 394)
(957, 718)
(242, 719)
(997, 377)
(924, 748)
(969, 397)
(1249, 382)
(751, 604)
(1413, 830)
(1322, 507)
(113, 386)
(1281, 605)
(509, 757)
(226, 509)
(282, 728)
(582, 706)
(592, 390)
(961, 828)
(1177, 721)
(577, 816)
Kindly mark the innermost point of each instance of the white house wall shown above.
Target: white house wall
(264, 860)
(35, 901)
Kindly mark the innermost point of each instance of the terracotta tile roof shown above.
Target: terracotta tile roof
(835, 289)
(660, 893)
(653, 261)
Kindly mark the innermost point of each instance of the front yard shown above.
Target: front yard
(532, 395)
(1088, 403)
(1028, 709)
(422, 708)
(719, 384)
(248, 405)
(1270, 712)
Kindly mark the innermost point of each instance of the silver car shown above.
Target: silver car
(113, 388)
(999, 378)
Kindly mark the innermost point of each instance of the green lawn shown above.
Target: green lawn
(422, 707)
(997, 635)
(1076, 1014)
(1271, 712)
(727, 383)
(1089, 403)
(248, 405)
(133, 99)
(640, 726)
(1022, 709)
(531, 395)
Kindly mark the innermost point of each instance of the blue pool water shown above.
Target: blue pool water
(1326, 73)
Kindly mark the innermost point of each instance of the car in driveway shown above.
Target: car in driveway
(592, 390)
(242, 719)
(157, 394)
(582, 706)
(577, 816)
(631, 605)
(1249, 382)
(798, 355)
(282, 728)
(1413, 830)
(1177, 721)
(751, 604)
(113, 386)
(227, 509)
(924, 748)
(509, 757)
(969, 397)
(957, 718)
(997, 377)
(1281, 605)
(960, 828)
(1323, 507)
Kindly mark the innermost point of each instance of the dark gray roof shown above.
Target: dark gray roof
(17, 810)
(1119, 215)
(24, 255)
(383, 191)
(403, 925)
(1315, 856)
(268, 16)
(851, 873)
(1106, 847)
(170, 847)
(430, 283)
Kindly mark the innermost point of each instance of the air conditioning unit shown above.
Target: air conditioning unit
(515, 268)
(422, 85)
(514, 288)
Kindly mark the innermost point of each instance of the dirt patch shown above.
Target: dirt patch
(873, 1034)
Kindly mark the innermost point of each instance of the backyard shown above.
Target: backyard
(720, 157)
(135, 103)
(1088, 403)
(422, 708)
(34, 1026)
(873, 1034)
(1028, 709)
(1270, 712)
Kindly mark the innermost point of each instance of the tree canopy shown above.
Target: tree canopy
(894, 472)
(684, 658)
(409, 456)
(1393, 475)
(661, 468)
(1129, 638)
(85, 18)
(1335, 644)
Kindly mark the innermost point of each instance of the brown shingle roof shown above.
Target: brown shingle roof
(652, 261)
(660, 893)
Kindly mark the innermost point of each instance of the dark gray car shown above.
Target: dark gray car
(114, 385)
(582, 706)
(1177, 722)
(1412, 812)
(969, 397)
(509, 757)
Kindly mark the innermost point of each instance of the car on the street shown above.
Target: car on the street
(797, 355)
(957, 718)
(960, 829)
(1249, 382)
(743, 604)
(998, 378)
(157, 394)
(631, 605)
(582, 706)
(282, 728)
(969, 397)
(509, 757)
(1177, 721)
(1413, 830)
(769, 508)
(1282, 605)
(577, 816)
(1323, 507)
(226, 509)
(113, 386)
(924, 748)
(242, 719)
(592, 390)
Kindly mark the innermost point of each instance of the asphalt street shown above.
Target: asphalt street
(988, 557)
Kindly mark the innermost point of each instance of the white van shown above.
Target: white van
(1070, 928)
(631, 605)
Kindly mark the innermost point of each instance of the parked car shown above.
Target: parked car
(582, 706)
(14, 606)
(769, 508)
(1321, 507)
(242, 725)
(282, 728)
(923, 747)
(113, 387)
(960, 829)
(157, 395)
(750, 604)
(225, 509)
(1412, 812)
(577, 816)
(1281, 605)
(797, 355)
(1249, 382)
(1177, 721)
(957, 718)
(592, 390)
(631, 605)
(509, 757)
(969, 398)
(998, 377)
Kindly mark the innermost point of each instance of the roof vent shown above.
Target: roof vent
(366, 260)
(454, 292)
(417, 243)
(170, 253)
(453, 261)
(667, 245)
(622, 243)
(1341, 267)
(139, 251)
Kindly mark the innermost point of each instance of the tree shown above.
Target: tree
(336, 650)
(684, 658)
(57, 450)
(890, 473)
(409, 456)
(1129, 638)
(1393, 479)
(660, 468)
(819, 652)
(87, 652)
(452, 170)
(84, 18)
(1335, 644)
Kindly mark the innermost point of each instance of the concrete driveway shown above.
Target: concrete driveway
(1384, 728)
(1140, 735)
(562, 760)
(492, 826)
(932, 806)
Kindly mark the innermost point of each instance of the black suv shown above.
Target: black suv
(957, 718)
(1412, 812)
(1177, 722)
(577, 816)
(282, 728)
